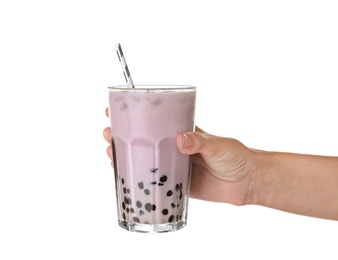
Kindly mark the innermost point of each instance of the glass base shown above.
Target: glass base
(152, 228)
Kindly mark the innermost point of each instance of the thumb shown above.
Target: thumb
(197, 142)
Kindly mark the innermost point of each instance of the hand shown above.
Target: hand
(107, 137)
(221, 168)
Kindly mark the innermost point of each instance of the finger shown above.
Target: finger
(106, 134)
(107, 112)
(193, 142)
(110, 152)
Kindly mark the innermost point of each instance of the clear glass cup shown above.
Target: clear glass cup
(152, 177)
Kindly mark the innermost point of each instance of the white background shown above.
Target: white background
(266, 73)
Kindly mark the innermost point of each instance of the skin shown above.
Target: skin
(225, 170)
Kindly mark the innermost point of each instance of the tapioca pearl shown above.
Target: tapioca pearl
(181, 194)
(132, 210)
(160, 184)
(141, 212)
(139, 204)
(127, 209)
(177, 187)
(171, 218)
(163, 178)
(165, 212)
(123, 216)
(128, 191)
(136, 219)
(173, 205)
(148, 207)
(140, 185)
(124, 190)
(123, 205)
(170, 193)
(127, 200)
(153, 170)
(147, 192)
(153, 183)
(122, 181)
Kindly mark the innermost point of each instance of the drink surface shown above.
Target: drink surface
(152, 176)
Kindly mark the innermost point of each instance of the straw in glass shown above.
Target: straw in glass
(124, 66)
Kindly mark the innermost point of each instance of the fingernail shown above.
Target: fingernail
(186, 141)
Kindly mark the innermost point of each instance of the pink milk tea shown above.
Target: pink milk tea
(152, 177)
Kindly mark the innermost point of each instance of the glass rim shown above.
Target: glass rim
(152, 87)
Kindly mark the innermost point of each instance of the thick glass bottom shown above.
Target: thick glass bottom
(152, 228)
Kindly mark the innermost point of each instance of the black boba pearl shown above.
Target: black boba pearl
(163, 178)
(140, 185)
(123, 205)
(136, 219)
(177, 187)
(181, 194)
(146, 191)
(138, 204)
(127, 210)
(124, 190)
(169, 193)
(127, 200)
(123, 216)
(132, 210)
(165, 212)
(160, 184)
(122, 180)
(141, 212)
(148, 207)
(173, 205)
(171, 218)
(153, 182)
(153, 170)
(128, 191)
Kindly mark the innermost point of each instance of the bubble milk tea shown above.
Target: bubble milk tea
(152, 177)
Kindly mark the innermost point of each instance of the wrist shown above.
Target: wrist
(260, 178)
